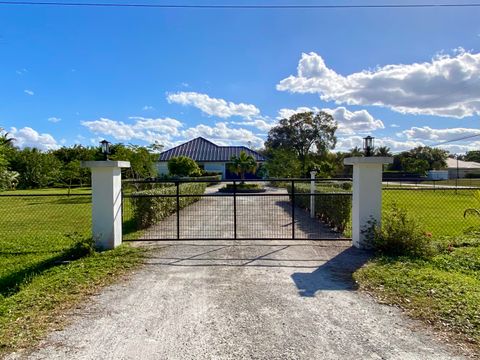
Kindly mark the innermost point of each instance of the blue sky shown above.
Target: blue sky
(77, 75)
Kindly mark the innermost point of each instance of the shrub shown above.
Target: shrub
(399, 235)
(242, 188)
(150, 207)
(212, 179)
(331, 206)
(183, 166)
(472, 175)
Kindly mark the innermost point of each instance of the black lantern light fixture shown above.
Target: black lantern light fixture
(105, 146)
(368, 145)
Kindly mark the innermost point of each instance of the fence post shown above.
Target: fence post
(177, 196)
(312, 193)
(367, 194)
(293, 209)
(234, 209)
(106, 202)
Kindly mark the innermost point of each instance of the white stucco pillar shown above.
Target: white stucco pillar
(106, 202)
(367, 194)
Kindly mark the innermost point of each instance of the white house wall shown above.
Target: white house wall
(214, 167)
(162, 168)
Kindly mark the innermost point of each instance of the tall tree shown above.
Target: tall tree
(473, 155)
(303, 131)
(37, 169)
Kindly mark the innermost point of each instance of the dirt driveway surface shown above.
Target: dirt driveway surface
(241, 300)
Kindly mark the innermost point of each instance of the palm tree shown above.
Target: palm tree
(356, 151)
(5, 140)
(242, 164)
(383, 151)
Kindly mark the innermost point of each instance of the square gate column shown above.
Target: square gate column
(106, 202)
(367, 194)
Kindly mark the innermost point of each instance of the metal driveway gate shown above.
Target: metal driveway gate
(224, 210)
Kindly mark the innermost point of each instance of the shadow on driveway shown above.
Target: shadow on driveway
(335, 274)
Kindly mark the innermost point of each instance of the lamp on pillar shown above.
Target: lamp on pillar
(105, 146)
(368, 145)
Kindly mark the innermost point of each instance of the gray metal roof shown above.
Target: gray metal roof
(201, 149)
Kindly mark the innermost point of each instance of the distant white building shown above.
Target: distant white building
(458, 168)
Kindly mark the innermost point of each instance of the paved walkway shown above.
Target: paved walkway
(242, 300)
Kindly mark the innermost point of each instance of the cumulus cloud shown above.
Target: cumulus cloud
(260, 124)
(144, 129)
(213, 106)
(445, 86)
(54, 119)
(28, 137)
(29, 92)
(349, 122)
(223, 135)
(438, 135)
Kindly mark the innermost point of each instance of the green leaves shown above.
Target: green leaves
(242, 164)
(183, 166)
(152, 209)
(301, 132)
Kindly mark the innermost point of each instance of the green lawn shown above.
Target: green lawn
(443, 291)
(45, 262)
(440, 212)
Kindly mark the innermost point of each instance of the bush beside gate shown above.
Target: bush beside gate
(150, 207)
(333, 205)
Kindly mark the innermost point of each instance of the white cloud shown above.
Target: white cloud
(256, 123)
(394, 126)
(54, 119)
(28, 137)
(148, 107)
(29, 92)
(461, 148)
(144, 129)
(349, 122)
(213, 106)
(223, 135)
(446, 86)
(438, 135)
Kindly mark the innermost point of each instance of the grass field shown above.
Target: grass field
(436, 183)
(46, 262)
(440, 212)
(443, 291)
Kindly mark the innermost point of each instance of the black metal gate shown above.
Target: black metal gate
(230, 210)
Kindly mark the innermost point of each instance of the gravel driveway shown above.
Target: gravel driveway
(241, 300)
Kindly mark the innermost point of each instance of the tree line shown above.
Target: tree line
(305, 142)
(294, 147)
(30, 168)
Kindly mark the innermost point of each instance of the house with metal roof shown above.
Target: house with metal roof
(461, 169)
(209, 156)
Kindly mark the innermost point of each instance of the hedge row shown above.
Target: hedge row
(334, 210)
(148, 210)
